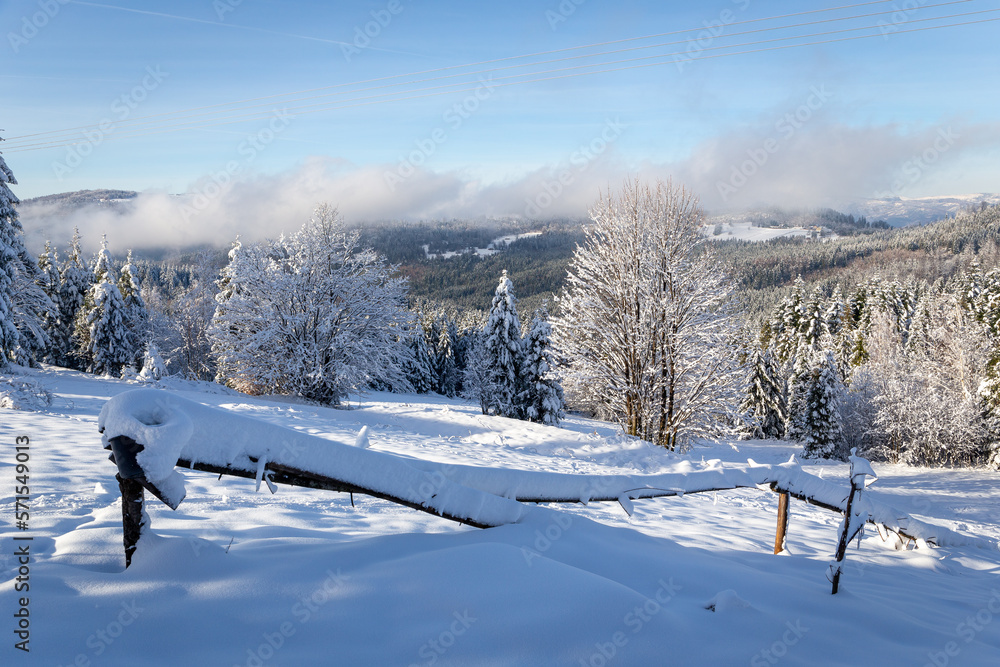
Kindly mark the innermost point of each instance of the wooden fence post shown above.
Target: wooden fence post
(860, 468)
(132, 522)
(782, 531)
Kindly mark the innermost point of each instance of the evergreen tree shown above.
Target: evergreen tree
(23, 304)
(108, 346)
(503, 351)
(541, 399)
(764, 403)
(136, 314)
(102, 333)
(814, 408)
(153, 367)
(10, 230)
(477, 377)
(787, 323)
(75, 279)
(813, 325)
(444, 363)
(50, 284)
(418, 368)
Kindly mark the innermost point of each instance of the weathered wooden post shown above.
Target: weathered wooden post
(782, 531)
(860, 468)
(132, 515)
(130, 482)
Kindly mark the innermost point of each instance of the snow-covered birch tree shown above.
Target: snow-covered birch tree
(645, 321)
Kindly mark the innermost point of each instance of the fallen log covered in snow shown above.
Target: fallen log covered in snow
(169, 431)
(173, 430)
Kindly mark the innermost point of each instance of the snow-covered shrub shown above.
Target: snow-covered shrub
(23, 393)
(313, 314)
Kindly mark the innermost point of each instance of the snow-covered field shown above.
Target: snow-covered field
(746, 231)
(234, 577)
(492, 248)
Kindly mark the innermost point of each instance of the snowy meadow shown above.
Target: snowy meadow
(239, 577)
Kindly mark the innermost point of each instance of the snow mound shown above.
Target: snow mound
(726, 600)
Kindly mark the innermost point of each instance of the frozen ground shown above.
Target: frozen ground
(234, 577)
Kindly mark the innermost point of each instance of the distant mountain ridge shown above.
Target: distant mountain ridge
(903, 211)
(82, 198)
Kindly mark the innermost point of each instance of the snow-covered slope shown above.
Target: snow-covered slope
(900, 211)
(301, 577)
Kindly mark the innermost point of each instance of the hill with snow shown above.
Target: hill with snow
(239, 577)
(902, 211)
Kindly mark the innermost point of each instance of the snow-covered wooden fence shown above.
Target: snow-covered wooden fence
(151, 432)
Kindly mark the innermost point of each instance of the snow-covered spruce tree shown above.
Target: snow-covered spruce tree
(136, 315)
(102, 329)
(50, 283)
(418, 367)
(541, 397)
(313, 314)
(445, 366)
(823, 433)
(764, 402)
(153, 368)
(10, 229)
(812, 326)
(23, 303)
(504, 352)
(645, 322)
(815, 391)
(75, 280)
(477, 376)
(786, 324)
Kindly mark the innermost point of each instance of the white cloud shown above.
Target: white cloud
(819, 163)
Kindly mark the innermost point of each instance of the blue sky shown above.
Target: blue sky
(867, 109)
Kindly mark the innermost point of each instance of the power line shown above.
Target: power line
(159, 119)
(408, 94)
(481, 62)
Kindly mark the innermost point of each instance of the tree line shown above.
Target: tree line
(650, 329)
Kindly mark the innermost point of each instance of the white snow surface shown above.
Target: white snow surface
(492, 248)
(234, 577)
